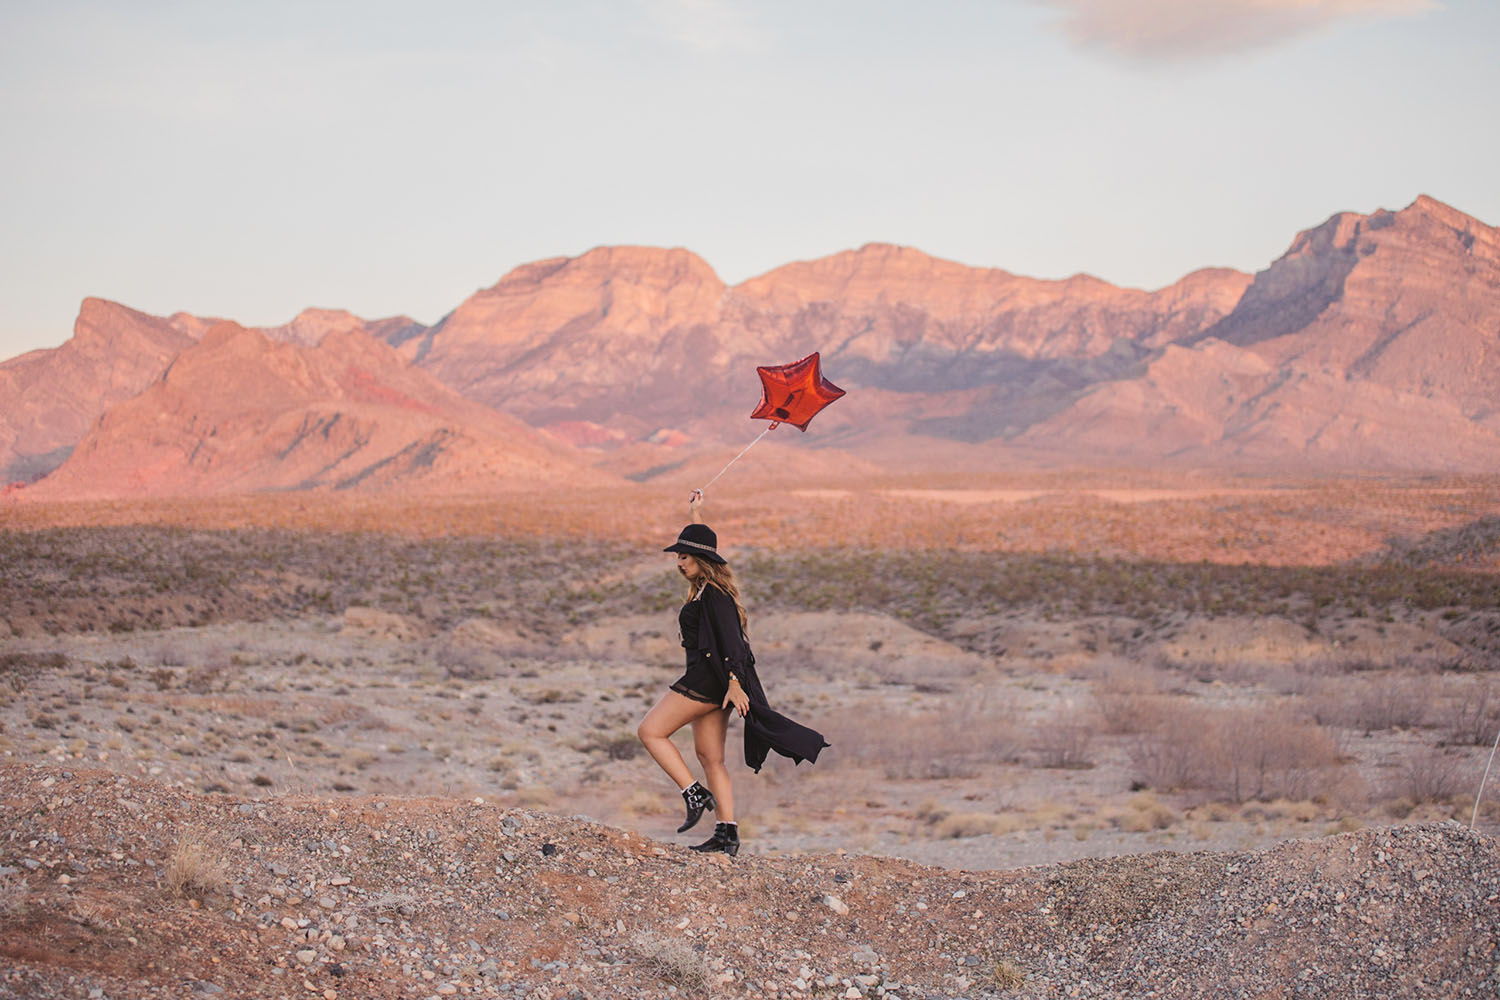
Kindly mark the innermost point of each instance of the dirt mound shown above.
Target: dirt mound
(133, 889)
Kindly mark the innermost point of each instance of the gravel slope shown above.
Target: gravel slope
(385, 897)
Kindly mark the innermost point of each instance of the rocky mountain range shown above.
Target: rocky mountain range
(1372, 343)
(240, 412)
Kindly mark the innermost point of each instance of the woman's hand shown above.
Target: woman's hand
(695, 500)
(737, 697)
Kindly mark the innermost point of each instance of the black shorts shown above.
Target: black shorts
(699, 682)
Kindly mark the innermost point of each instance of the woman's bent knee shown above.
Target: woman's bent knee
(710, 758)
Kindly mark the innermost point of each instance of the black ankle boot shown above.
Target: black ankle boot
(698, 799)
(726, 838)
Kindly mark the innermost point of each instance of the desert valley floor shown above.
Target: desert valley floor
(348, 712)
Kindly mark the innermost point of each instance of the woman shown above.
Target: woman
(720, 678)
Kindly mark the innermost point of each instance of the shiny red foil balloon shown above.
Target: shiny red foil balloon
(794, 393)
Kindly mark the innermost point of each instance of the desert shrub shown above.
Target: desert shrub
(1129, 698)
(953, 743)
(1236, 754)
(1473, 714)
(196, 865)
(1144, 813)
(465, 663)
(19, 668)
(955, 826)
(1373, 704)
(1430, 774)
(674, 961)
(615, 746)
(13, 896)
(1066, 740)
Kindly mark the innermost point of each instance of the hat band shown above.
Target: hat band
(697, 545)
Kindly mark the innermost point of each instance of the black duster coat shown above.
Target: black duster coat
(722, 643)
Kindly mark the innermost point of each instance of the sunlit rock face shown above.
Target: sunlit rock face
(1373, 342)
(49, 398)
(240, 412)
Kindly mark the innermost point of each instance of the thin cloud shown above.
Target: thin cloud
(704, 25)
(1188, 29)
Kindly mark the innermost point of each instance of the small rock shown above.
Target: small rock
(835, 904)
(289, 923)
(339, 880)
(306, 956)
(327, 902)
(548, 850)
(336, 943)
(212, 989)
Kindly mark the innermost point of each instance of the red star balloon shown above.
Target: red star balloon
(793, 394)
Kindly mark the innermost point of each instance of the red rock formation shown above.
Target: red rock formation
(1374, 342)
(241, 413)
(641, 337)
(1409, 300)
(49, 398)
(1371, 342)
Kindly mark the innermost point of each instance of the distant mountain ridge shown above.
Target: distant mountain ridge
(1373, 342)
(239, 412)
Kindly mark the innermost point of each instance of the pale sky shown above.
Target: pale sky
(250, 160)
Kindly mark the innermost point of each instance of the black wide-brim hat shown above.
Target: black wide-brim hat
(698, 540)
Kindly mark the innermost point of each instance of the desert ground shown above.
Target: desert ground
(1031, 672)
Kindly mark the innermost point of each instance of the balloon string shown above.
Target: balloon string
(774, 424)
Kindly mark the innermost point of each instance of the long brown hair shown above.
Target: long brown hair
(721, 576)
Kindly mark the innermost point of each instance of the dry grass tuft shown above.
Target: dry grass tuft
(1009, 975)
(674, 961)
(197, 865)
(14, 893)
(959, 825)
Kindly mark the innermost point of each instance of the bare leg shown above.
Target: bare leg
(670, 714)
(708, 741)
